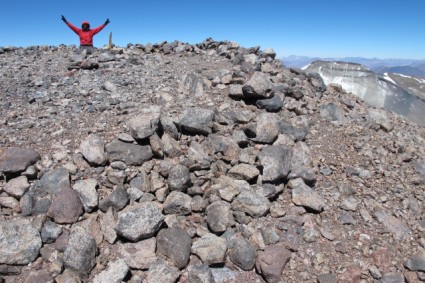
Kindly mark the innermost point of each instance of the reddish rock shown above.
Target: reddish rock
(66, 207)
(267, 265)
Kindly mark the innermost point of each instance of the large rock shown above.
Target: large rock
(162, 272)
(139, 222)
(117, 200)
(242, 253)
(17, 159)
(66, 207)
(17, 187)
(145, 124)
(276, 161)
(210, 249)
(219, 216)
(178, 203)
(197, 121)
(140, 255)
(93, 150)
(399, 228)
(273, 104)
(265, 130)
(271, 262)
(200, 274)
(244, 171)
(416, 262)
(179, 178)
(116, 272)
(251, 203)
(228, 147)
(20, 243)
(175, 244)
(258, 86)
(305, 196)
(86, 189)
(52, 182)
(131, 154)
(80, 253)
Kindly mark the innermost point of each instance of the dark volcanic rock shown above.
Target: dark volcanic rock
(131, 154)
(276, 162)
(16, 159)
(118, 199)
(175, 244)
(197, 121)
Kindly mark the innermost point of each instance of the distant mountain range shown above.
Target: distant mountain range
(408, 67)
(399, 93)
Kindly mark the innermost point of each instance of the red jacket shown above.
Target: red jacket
(86, 37)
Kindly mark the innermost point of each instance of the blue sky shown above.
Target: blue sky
(324, 28)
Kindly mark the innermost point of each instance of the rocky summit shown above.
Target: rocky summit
(212, 162)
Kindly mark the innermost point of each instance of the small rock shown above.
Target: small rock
(179, 178)
(305, 196)
(276, 161)
(244, 172)
(86, 189)
(161, 272)
(116, 272)
(416, 262)
(197, 121)
(200, 274)
(117, 200)
(251, 203)
(17, 187)
(243, 254)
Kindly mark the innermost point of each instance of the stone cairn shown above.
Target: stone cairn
(236, 183)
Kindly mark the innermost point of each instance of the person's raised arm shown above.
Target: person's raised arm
(75, 29)
(99, 28)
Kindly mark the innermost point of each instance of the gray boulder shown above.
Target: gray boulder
(242, 253)
(219, 216)
(145, 124)
(244, 171)
(162, 272)
(117, 200)
(116, 272)
(200, 274)
(17, 159)
(276, 161)
(251, 203)
(175, 244)
(17, 187)
(265, 130)
(130, 154)
(197, 121)
(179, 178)
(305, 196)
(139, 222)
(210, 249)
(273, 104)
(140, 255)
(178, 203)
(20, 243)
(93, 150)
(86, 189)
(416, 262)
(227, 146)
(267, 264)
(258, 86)
(80, 252)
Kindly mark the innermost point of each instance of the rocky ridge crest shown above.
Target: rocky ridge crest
(173, 162)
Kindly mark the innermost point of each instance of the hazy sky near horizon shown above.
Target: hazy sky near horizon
(323, 28)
